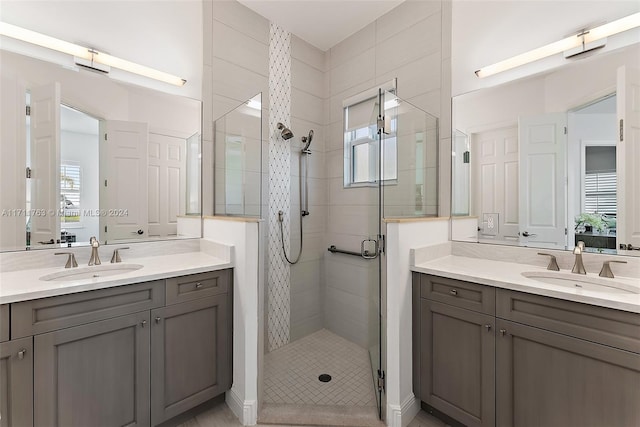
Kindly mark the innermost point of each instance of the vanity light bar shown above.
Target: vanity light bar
(87, 54)
(583, 38)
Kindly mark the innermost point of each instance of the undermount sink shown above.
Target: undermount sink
(588, 283)
(83, 273)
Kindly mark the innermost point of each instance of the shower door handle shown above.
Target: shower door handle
(365, 253)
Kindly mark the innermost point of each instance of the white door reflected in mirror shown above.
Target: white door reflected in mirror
(540, 180)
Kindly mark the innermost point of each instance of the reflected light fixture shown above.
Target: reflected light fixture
(584, 41)
(87, 57)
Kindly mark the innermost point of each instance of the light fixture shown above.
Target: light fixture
(582, 42)
(86, 57)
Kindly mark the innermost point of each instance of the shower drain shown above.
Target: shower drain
(325, 378)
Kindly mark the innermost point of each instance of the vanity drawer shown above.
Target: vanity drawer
(4, 322)
(471, 296)
(607, 326)
(195, 286)
(49, 314)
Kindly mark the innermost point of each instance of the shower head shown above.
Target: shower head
(307, 140)
(286, 132)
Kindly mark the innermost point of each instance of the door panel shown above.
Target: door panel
(94, 375)
(166, 183)
(496, 176)
(45, 164)
(190, 360)
(16, 383)
(542, 216)
(124, 181)
(548, 379)
(628, 156)
(458, 362)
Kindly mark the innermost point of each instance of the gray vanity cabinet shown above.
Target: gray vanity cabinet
(548, 379)
(457, 359)
(534, 361)
(190, 355)
(454, 357)
(95, 374)
(4, 322)
(16, 383)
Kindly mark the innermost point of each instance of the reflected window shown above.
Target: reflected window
(70, 193)
(600, 180)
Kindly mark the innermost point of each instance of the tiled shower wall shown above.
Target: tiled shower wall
(308, 91)
(236, 67)
(410, 43)
(278, 271)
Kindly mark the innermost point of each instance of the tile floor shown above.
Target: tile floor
(293, 395)
(221, 416)
(291, 372)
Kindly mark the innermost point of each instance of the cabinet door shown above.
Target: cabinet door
(16, 383)
(458, 362)
(548, 379)
(94, 375)
(190, 361)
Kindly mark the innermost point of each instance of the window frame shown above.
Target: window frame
(583, 173)
(371, 139)
(80, 222)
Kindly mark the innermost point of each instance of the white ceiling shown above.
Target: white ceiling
(322, 23)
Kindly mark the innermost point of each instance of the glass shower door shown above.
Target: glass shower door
(407, 187)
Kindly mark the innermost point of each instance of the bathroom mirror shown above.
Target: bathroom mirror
(84, 155)
(538, 162)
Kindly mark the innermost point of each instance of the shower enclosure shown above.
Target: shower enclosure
(390, 149)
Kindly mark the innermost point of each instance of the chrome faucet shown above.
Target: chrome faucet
(95, 258)
(578, 266)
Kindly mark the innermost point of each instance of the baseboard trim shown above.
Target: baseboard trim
(245, 410)
(401, 415)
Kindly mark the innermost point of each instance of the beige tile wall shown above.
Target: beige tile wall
(307, 99)
(410, 43)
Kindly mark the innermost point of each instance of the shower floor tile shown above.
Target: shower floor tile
(291, 372)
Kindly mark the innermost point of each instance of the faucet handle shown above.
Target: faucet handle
(606, 268)
(116, 255)
(71, 261)
(553, 264)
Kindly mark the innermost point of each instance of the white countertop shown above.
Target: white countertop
(508, 275)
(25, 285)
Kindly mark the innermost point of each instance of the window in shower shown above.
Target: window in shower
(361, 146)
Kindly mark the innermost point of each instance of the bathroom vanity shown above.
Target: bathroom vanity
(485, 353)
(128, 351)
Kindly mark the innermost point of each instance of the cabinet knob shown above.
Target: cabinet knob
(143, 324)
(503, 332)
(487, 327)
(158, 319)
(198, 285)
(22, 353)
(453, 292)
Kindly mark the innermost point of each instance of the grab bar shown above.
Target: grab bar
(335, 250)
